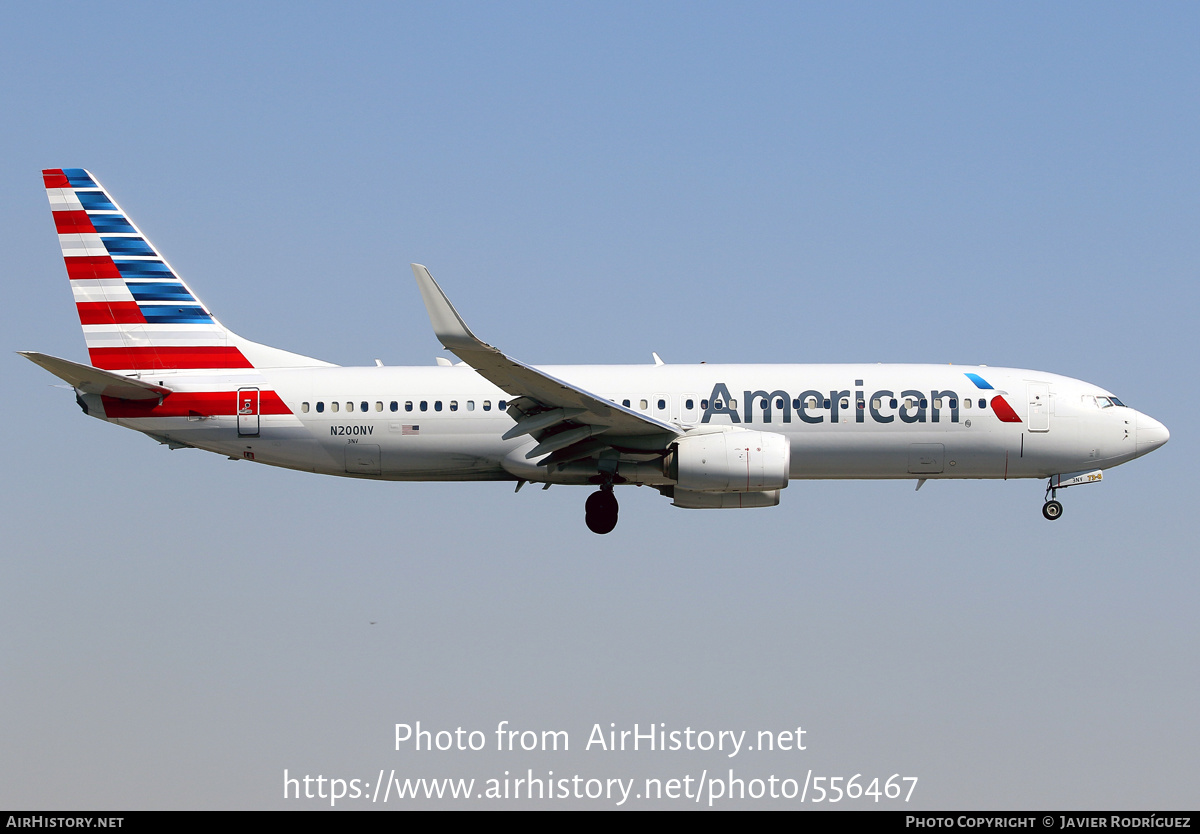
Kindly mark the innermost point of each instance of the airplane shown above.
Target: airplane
(705, 436)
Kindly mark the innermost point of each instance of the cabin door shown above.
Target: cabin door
(1039, 406)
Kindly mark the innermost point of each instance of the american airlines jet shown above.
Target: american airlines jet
(705, 436)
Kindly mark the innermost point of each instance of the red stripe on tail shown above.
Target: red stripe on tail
(73, 222)
(162, 358)
(92, 266)
(55, 178)
(105, 312)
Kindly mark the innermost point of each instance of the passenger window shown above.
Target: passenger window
(982, 403)
(662, 404)
(349, 406)
(320, 407)
(395, 406)
(625, 403)
(487, 405)
(924, 403)
(966, 403)
(303, 408)
(893, 402)
(779, 402)
(454, 405)
(379, 406)
(470, 405)
(363, 407)
(643, 405)
(827, 403)
(424, 405)
(845, 403)
(877, 403)
(334, 406)
(501, 405)
(908, 403)
(733, 403)
(937, 403)
(689, 404)
(408, 405)
(704, 404)
(954, 402)
(437, 405)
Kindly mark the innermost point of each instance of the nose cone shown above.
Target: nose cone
(1150, 434)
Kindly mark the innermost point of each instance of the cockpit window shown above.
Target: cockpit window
(1102, 402)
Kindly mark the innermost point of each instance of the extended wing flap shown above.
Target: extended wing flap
(521, 380)
(96, 381)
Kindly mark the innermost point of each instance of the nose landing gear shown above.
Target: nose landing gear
(600, 511)
(1052, 510)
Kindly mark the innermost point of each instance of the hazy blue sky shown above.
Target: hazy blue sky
(1013, 184)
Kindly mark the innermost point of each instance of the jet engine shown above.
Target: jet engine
(729, 461)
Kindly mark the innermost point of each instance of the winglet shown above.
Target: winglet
(520, 380)
(448, 325)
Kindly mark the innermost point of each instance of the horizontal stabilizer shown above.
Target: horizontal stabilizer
(96, 381)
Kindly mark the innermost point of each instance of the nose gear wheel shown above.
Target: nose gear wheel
(1052, 510)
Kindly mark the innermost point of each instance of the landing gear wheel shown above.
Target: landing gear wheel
(1052, 510)
(600, 511)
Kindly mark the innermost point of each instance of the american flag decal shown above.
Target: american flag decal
(410, 430)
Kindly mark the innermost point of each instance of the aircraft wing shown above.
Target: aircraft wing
(562, 416)
(96, 381)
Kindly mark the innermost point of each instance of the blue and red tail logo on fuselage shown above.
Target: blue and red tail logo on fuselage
(1000, 406)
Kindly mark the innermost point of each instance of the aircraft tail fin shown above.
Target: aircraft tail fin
(136, 312)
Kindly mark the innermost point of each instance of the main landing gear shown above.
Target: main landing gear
(600, 511)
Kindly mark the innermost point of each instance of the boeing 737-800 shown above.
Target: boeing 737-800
(705, 436)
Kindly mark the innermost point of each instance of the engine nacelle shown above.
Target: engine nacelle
(724, 500)
(732, 461)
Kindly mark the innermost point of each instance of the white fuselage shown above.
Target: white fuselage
(842, 421)
(707, 436)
